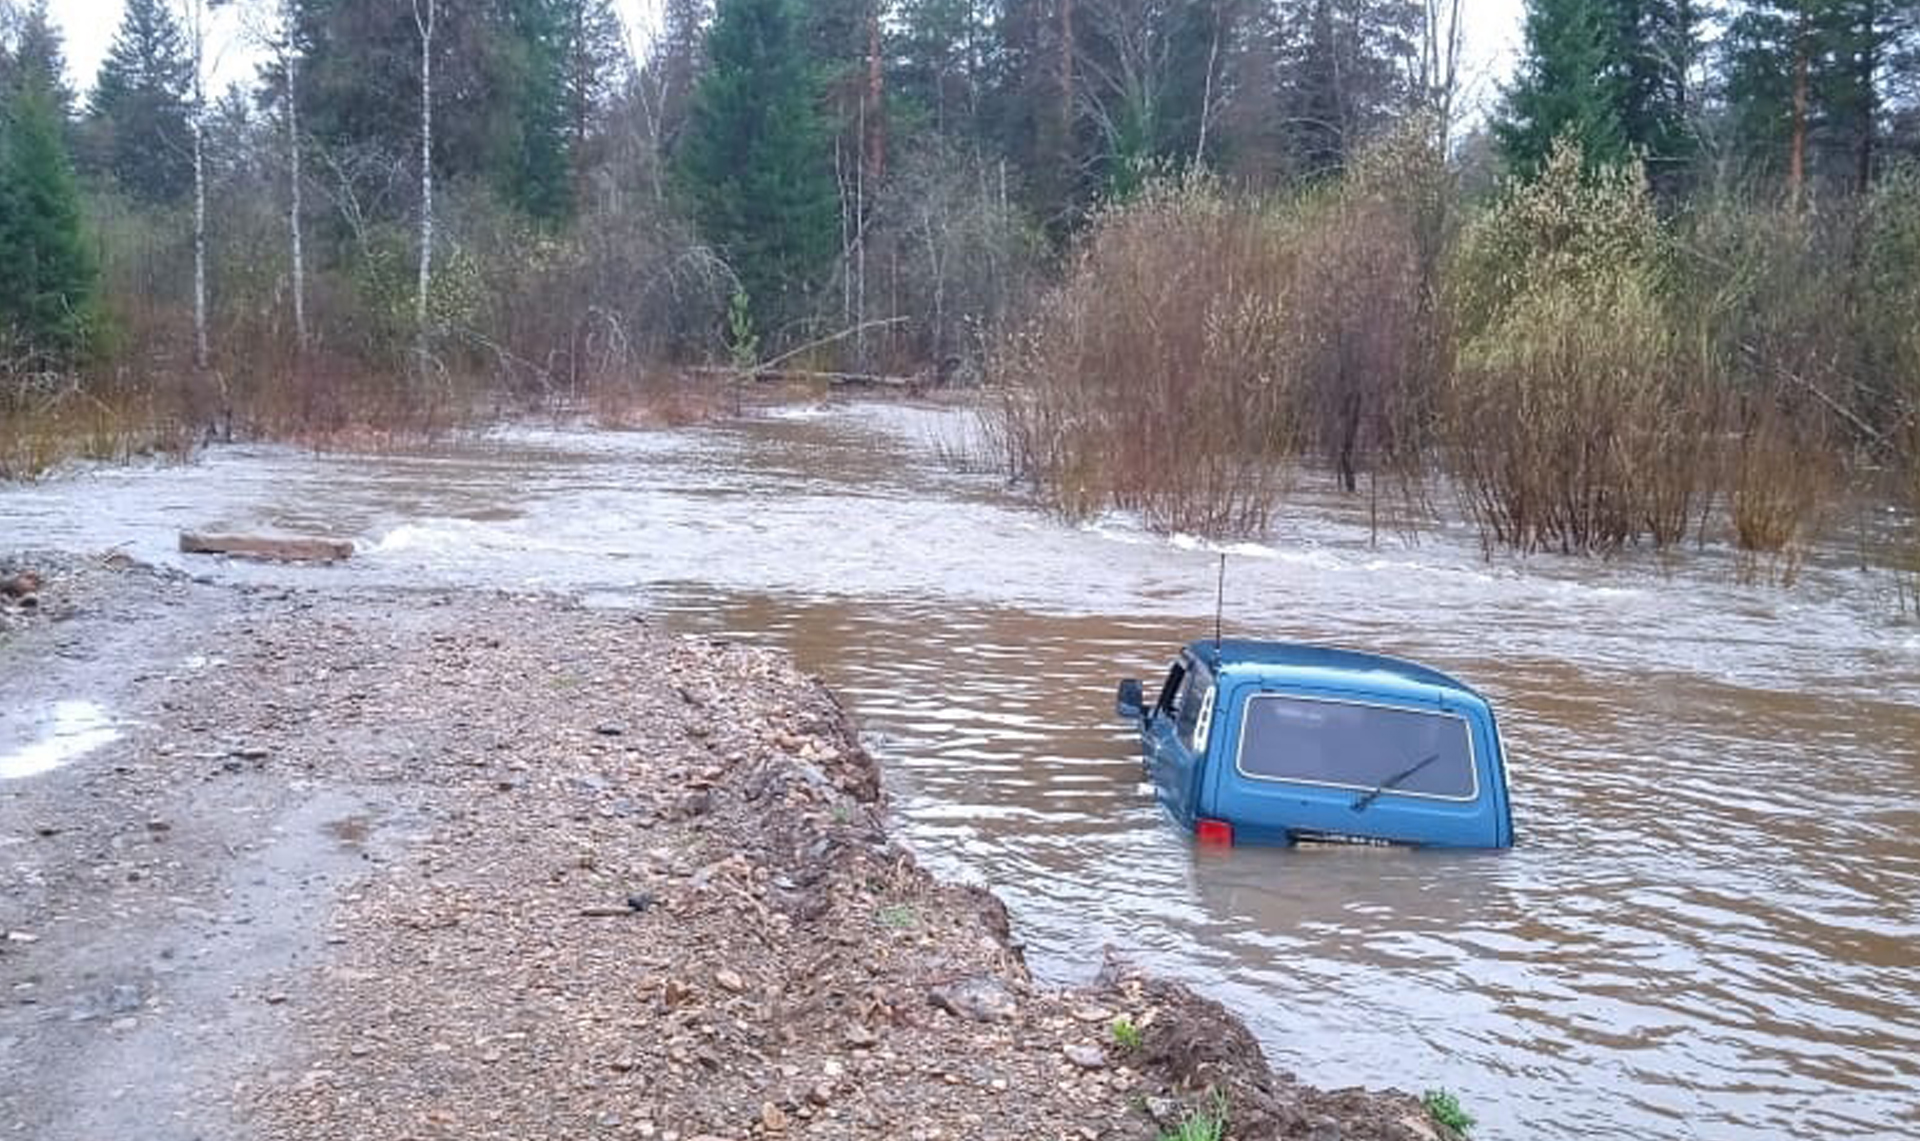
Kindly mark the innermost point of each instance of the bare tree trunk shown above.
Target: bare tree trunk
(876, 107)
(1797, 156)
(197, 32)
(1206, 95)
(1869, 63)
(423, 18)
(1440, 65)
(859, 266)
(577, 69)
(845, 183)
(289, 61)
(1066, 99)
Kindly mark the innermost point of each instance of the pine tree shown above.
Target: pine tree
(593, 58)
(1807, 83)
(138, 117)
(47, 289)
(941, 57)
(754, 164)
(519, 88)
(566, 52)
(1567, 86)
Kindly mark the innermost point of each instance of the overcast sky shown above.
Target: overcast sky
(1493, 35)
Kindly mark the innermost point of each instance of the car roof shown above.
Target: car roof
(1323, 663)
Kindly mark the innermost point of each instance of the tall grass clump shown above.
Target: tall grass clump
(1570, 420)
(1155, 377)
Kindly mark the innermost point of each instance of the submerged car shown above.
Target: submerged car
(1257, 742)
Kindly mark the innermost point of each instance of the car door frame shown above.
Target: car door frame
(1174, 765)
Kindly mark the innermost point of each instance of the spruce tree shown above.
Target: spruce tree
(40, 58)
(754, 164)
(1656, 42)
(138, 117)
(536, 172)
(1567, 86)
(46, 290)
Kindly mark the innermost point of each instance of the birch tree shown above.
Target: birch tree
(1442, 33)
(424, 13)
(289, 59)
(274, 25)
(195, 19)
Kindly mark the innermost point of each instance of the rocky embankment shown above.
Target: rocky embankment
(457, 866)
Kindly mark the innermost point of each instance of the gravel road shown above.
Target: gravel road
(435, 865)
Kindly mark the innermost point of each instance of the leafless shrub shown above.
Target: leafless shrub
(1156, 377)
(1785, 472)
(948, 249)
(559, 313)
(1371, 338)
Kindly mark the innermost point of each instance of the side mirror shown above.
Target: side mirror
(1131, 702)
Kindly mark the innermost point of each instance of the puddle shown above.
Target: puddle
(66, 731)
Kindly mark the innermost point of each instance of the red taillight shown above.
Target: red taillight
(1213, 832)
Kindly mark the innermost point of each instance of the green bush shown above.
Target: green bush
(1445, 1110)
(1570, 421)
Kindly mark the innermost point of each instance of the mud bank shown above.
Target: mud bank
(461, 865)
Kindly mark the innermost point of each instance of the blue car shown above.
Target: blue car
(1281, 743)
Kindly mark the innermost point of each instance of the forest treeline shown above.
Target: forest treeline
(1680, 235)
(1676, 298)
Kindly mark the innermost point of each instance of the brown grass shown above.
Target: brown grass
(658, 399)
(47, 421)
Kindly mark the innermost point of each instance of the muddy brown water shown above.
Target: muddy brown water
(1710, 927)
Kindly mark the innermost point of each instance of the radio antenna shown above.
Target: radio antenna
(1219, 605)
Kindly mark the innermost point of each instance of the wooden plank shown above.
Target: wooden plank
(268, 547)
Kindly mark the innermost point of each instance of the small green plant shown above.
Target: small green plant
(1445, 1110)
(743, 344)
(1126, 1035)
(1209, 1124)
(899, 916)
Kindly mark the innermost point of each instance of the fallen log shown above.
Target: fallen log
(271, 548)
(870, 379)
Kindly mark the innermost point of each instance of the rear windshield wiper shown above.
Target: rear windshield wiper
(1367, 798)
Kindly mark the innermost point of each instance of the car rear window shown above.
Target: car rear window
(1348, 744)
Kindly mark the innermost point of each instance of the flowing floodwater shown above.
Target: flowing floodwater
(1710, 927)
